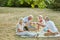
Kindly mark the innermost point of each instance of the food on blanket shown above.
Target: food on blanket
(49, 34)
(33, 24)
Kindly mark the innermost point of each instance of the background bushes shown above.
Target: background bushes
(30, 3)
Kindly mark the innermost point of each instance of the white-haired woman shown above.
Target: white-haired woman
(20, 29)
(41, 22)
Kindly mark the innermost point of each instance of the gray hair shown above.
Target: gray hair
(20, 19)
(47, 18)
(31, 16)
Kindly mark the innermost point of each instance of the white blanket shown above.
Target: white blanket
(58, 35)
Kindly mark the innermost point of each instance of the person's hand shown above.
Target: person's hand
(20, 30)
(38, 23)
(48, 30)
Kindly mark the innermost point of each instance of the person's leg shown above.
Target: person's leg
(26, 33)
(31, 34)
(21, 33)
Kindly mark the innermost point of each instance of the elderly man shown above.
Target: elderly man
(50, 27)
(28, 20)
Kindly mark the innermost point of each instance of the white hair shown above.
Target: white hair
(31, 16)
(40, 16)
(47, 17)
(20, 19)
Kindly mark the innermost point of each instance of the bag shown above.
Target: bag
(25, 28)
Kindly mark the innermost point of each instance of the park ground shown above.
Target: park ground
(10, 16)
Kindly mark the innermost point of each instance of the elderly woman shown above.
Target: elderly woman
(20, 29)
(41, 22)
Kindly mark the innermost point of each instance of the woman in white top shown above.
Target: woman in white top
(20, 30)
(41, 22)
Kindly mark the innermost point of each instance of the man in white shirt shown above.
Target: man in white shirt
(28, 20)
(50, 27)
(20, 30)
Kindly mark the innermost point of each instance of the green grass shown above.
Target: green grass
(9, 18)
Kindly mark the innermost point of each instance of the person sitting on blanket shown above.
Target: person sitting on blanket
(50, 28)
(40, 21)
(20, 29)
(28, 20)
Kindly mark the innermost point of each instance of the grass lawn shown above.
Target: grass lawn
(9, 18)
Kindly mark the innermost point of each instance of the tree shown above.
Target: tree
(3, 3)
(57, 4)
(53, 4)
(27, 3)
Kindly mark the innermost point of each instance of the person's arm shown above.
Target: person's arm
(49, 31)
(41, 25)
(20, 30)
(48, 26)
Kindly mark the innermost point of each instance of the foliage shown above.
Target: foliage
(53, 4)
(18, 3)
(31, 3)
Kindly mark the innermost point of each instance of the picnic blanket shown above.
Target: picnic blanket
(58, 35)
(45, 36)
